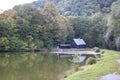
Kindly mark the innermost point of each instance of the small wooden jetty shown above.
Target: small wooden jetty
(75, 52)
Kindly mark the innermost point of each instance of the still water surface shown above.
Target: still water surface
(31, 66)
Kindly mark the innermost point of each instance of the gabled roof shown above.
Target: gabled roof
(79, 41)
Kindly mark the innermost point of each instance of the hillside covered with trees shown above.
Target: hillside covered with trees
(78, 7)
(27, 27)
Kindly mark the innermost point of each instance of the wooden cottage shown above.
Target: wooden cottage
(76, 43)
(64, 46)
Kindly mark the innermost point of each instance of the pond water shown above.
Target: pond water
(31, 66)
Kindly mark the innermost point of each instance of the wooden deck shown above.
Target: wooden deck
(73, 52)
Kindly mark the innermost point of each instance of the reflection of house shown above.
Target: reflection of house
(79, 59)
(76, 43)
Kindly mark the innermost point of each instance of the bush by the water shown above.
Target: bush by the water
(102, 52)
(96, 49)
(77, 67)
(90, 61)
(118, 71)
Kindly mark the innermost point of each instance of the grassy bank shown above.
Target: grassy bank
(107, 65)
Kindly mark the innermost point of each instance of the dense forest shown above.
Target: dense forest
(46, 23)
(78, 7)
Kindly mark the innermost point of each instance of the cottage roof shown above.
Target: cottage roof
(79, 41)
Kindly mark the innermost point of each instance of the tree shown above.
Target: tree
(55, 21)
(4, 44)
(78, 7)
(17, 44)
(91, 29)
(113, 33)
(7, 23)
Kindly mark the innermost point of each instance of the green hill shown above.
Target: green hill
(79, 7)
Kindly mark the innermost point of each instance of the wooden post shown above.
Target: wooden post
(58, 55)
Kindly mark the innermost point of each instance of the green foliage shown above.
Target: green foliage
(77, 66)
(39, 44)
(16, 45)
(51, 9)
(118, 71)
(79, 7)
(29, 28)
(96, 49)
(4, 44)
(116, 23)
(32, 46)
(36, 28)
(91, 29)
(105, 66)
(102, 52)
(90, 61)
(55, 22)
(112, 36)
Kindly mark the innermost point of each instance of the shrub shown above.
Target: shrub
(90, 61)
(96, 49)
(76, 67)
(101, 52)
(16, 45)
(4, 44)
(67, 73)
(118, 71)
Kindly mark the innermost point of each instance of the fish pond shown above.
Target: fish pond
(32, 66)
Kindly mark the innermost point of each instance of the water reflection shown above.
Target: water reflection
(31, 66)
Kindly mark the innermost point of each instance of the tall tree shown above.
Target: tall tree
(113, 33)
(54, 20)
